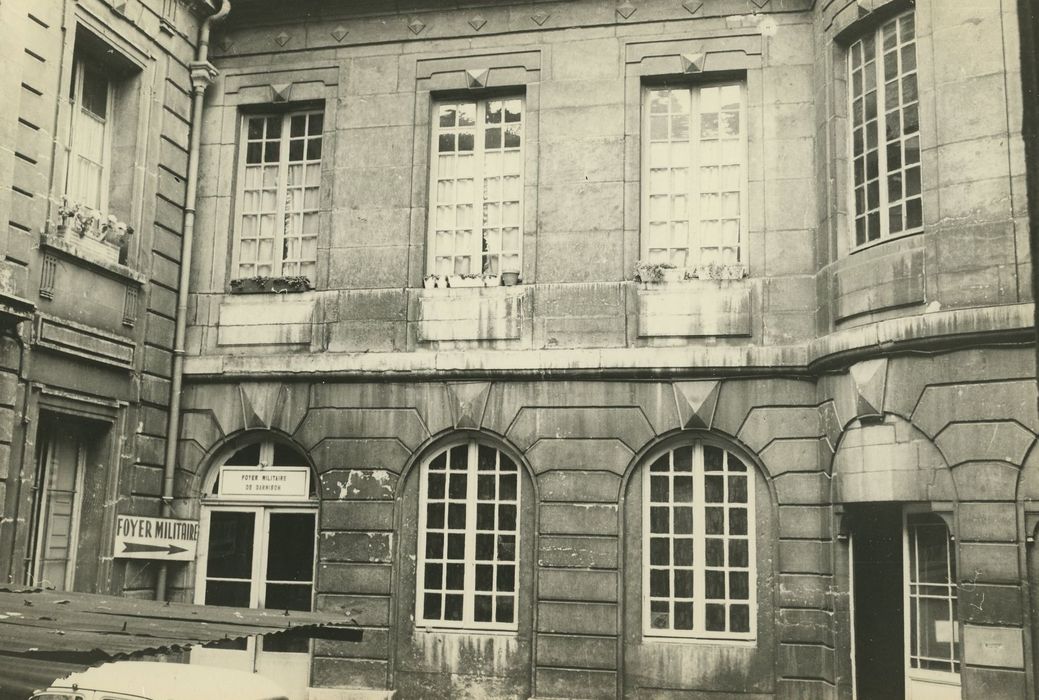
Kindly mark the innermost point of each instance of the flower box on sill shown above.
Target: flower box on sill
(663, 273)
(271, 285)
(97, 235)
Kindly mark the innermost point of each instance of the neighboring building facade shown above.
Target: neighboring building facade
(94, 124)
(793, 457)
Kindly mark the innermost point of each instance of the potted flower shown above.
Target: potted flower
(656, 272)
(430, 281)
(510, 279)
(465, 280)
(491, 280)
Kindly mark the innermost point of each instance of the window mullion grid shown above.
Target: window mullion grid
(281, 206)
(882, 116)
(695, 236)
(420, 578)
(469, 585)
(700, 542)
(479, 173)
(743, 233)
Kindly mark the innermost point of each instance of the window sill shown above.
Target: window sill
(270, 285)
(467, 631)
(79, 254)
(736, 642)
(886, 239)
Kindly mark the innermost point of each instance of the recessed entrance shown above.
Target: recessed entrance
(906, 631)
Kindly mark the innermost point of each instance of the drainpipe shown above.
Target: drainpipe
(202, 74)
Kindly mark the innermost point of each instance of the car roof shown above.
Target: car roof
(172, 681)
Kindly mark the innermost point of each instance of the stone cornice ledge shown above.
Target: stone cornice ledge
(935, 332)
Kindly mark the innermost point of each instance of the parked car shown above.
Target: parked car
(149, 680)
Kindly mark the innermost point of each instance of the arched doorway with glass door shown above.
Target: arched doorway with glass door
(257, 550)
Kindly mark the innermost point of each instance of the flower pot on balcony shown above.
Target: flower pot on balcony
(463, 281)
(510, 279)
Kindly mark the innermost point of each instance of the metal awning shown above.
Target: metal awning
(44, 632)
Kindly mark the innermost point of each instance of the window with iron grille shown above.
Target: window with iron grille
(468, 541)
(476, 187)
(695, 172)
(279, 195)
(885, 132)
(698, 544)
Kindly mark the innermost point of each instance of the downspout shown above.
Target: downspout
(202, 74)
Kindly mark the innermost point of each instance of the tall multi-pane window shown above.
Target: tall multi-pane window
(90, 135)
(468, 539)
(279, 196)
(885, 132)
(698, 544)
(934, 643)
(476, 187)
(694, 188)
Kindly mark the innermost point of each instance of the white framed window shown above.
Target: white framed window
(90, 135)
(694, 185)
(699, 577)
(468, 544)
(61, 466)
(476, 187)
(279, 195)
(885, 132)
(932, 622)
(255, 553)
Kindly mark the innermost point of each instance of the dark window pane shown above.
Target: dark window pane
(505, 609)
(660, 464)
(456, 489)
(715, 521)
(486, 458)
(232, 593)
(493, 115)
(659, 617)
(230, 545)
(714, 581)
(683, 550)
(683, 489)
(739, 586)
(435, 515)
(507, 517)
(715, 552)
(255, 129)
(913, 182)
(512, 137)
(447, 143)
(659, 519)
(684, 584)
(434, 545)
(507, 487)
(737, 489)
(738, 521)
(714, 489)
(439, 462)
(482, 608)
(738, 553)
(485, 547)
(659, 551)
(271, 152)
(456, 546)
(506, 548)
(296, 150)
(739, 618)
(485, 516)
(95, 91)
(298, 125)
(736, 464)
(492, 138)
(513, 110)
(455, 577)
(431, 606)
(314, 149)
(248, 456)
(290, 547)
(506, 464)
(712, 459)
(659, 489)
(434, 578)
(911, 119)
(683, 616)
(660, 583)
(453, 607)
(715, 618)
(914, 214)
(683, 521)
(506, 578)
(447, 115)
(436, 486)
(895, 218)
(288, 596)
(466, 142)
(459, 457)
(254, 153)
(456, 516)
(484, 577)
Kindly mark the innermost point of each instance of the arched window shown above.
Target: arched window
(468, 540)
(256, 550)
(698, 544)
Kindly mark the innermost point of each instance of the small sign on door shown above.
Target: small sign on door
(167, 539)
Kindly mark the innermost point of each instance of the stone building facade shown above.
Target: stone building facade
(93, 151)
(757, 420)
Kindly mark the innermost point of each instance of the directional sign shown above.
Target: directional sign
(168, 539)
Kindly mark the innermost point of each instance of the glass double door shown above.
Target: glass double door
(904, 606)
(259, 557)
